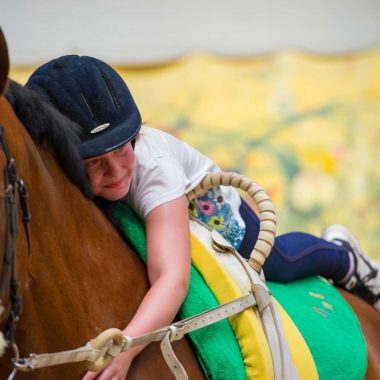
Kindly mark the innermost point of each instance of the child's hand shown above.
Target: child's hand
(117, 369)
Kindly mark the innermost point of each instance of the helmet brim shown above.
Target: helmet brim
(110, 139)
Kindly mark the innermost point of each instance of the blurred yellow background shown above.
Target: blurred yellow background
(306, 127)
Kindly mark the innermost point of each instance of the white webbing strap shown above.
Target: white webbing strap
(112, 347)
(170, 357)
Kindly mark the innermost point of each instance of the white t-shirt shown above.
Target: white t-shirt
(167, 168)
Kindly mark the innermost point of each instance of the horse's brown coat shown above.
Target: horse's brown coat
(369, 320)
(81, 278)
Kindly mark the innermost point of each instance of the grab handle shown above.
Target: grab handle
(262, 201)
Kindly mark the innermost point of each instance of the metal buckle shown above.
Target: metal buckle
(19, 364)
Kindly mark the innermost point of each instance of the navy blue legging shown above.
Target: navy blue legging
(295, 255)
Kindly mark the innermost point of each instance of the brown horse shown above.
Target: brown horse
(369, 320)
(80, 278)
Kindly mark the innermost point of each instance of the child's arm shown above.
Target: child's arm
(168, 265)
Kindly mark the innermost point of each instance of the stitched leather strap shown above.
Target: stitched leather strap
(112, 348)
(170, 357)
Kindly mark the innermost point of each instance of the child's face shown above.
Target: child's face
(111, 173)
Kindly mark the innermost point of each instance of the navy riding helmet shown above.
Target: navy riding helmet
(94, 96)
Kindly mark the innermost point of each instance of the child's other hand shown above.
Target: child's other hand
(116, 370)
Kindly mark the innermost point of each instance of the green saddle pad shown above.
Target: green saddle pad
(328, 325)
(326, 322)
(226, 364)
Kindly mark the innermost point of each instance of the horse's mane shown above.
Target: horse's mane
(50, 129)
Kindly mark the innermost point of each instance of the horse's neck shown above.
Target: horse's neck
(56, 204)
(76, 253)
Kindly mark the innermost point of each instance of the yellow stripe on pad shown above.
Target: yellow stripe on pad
(299, 350)
(247, 325)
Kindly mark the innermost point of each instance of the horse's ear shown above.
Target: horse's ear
(4, 62)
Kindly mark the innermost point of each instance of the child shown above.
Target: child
(152, 171)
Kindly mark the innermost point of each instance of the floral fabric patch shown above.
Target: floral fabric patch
(212, 209)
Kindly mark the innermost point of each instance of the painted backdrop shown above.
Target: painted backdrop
(306, 127)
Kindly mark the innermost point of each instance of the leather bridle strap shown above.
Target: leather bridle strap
(9, 284)
(99, 352)
(11, 174)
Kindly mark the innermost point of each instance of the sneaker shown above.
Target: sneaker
(365, 278)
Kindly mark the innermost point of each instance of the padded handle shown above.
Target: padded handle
(263, 203)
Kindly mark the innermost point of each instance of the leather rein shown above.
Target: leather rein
(9, 283)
